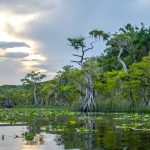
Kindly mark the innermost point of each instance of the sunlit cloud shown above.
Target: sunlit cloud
(19, 49)
(36, 56)
(11, 24)
(31, 61)
(18, 22)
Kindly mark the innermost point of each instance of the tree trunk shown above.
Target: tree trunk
(81, 96)
(122, 62)
(56, 101)
(42, 100)
(89, 98)
(35, 98)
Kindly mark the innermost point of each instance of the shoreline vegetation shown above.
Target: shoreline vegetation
(118, 80)
(100, 108)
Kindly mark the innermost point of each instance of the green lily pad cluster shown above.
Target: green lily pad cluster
(75, 122)
(83, 130)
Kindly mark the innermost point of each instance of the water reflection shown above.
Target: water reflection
(90, 125)
(49, 143)
(73, 133)
(10, 141)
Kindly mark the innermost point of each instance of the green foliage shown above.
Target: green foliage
(98, 34)
(33, 77)
(113, 89)
(77, 42)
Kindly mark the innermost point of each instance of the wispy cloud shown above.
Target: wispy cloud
(15, 55)
(5, 45)
(28, 6)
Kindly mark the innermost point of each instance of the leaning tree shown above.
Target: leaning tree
(81, 47)
(121, 43)
(33, 79)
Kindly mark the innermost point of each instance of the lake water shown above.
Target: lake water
(81, 132)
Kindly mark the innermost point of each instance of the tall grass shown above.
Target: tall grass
(110, 105)
(106, 105)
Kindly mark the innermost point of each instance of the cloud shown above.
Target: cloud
(27, 6)
(46, 67)
(31, 60)
(5, 45)
(47, 25)
(15, 55)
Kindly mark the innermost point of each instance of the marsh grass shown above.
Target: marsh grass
(109, 105)
(120, 106)
(106, 105)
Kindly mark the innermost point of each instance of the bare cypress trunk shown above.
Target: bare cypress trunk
(56, 101)
(26, 101)
(81, 96)
(42, 100)
(35, 98)
(121, 61)
(89, 97)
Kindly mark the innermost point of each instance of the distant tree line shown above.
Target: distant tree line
(119, 77)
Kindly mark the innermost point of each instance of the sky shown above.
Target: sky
(33, 33)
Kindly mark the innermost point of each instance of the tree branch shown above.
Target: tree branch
(90, 47)
(79, 63)
(77, 55)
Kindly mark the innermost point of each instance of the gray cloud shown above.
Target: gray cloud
(5, 45)
(59, 20)
(15, 55)
(46, 66)
(27, 6)
(10, 72)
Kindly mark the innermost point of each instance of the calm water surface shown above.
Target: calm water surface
(84, 132)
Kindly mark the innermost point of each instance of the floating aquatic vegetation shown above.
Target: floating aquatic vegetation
(91, 118)
(83, 130)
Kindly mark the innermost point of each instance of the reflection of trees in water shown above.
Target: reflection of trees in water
(90, 125)
(33, 135)
(35, 125)
(37, 139)
(106, 135)
(72, 140)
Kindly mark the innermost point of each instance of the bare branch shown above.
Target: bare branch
(76, 55)
(79, 63)
(90, 47)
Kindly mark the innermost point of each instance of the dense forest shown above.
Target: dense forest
(117, 79)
